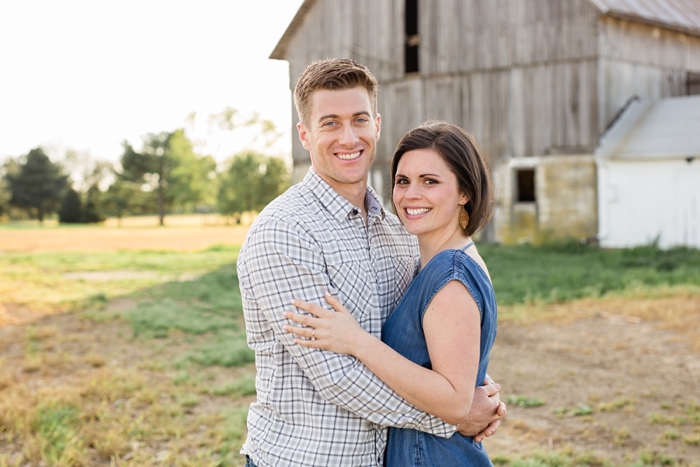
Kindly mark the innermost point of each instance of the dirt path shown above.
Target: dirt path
(635, 384)
(639, 383)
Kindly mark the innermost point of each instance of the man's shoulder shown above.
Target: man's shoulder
(293, 212)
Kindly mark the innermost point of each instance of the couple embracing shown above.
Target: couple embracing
(371, 331)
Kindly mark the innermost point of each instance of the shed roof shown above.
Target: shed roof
(680, 15)
(654, 130)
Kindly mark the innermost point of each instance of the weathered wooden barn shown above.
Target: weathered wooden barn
(537, 82)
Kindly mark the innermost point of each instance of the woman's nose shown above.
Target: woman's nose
(413, 191)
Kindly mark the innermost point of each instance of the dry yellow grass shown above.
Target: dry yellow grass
(181, 233)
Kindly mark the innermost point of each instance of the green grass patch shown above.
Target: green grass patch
(524, 401)
(562, 458)
(57, 428)
(561, 272)
(614, 405)
(241, 387)
(582, 409)
(224, 349)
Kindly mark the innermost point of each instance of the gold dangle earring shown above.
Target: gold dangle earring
(463, 217)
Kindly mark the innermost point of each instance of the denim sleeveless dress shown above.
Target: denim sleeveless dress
(403, 331)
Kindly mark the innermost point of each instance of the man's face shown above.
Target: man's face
(341, 137)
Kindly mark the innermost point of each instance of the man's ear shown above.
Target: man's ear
(303, 136)
(378, 123)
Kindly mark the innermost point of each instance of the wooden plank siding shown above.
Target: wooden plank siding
(525, 77)
(469, 35)
(641, 60)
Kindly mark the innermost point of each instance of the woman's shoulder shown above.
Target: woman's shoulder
(453, 262)
(450, 265)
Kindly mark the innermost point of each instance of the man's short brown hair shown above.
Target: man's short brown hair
(333, 74)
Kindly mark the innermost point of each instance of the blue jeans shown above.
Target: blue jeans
(249, 462)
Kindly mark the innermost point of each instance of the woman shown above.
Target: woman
(436, 344)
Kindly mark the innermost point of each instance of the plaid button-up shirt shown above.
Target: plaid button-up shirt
(314, 407)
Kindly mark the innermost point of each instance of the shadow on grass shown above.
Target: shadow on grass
(203, 315)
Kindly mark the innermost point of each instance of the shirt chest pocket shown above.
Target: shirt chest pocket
(356, 287)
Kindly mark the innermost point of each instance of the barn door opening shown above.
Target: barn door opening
(411, 37)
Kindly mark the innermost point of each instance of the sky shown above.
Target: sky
(86, 75)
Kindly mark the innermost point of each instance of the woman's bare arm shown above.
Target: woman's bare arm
(452, 329)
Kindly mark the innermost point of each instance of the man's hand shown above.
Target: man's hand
(486, 412)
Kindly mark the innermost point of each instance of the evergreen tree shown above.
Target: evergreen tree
(9, 167)
(38, 185)
(71, 211)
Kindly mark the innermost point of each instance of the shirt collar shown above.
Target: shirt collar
(338, 206)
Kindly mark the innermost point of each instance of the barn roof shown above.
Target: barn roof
(654, 130)
(280, 51)
(680, 15)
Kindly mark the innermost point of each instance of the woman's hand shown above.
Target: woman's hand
(337, 331)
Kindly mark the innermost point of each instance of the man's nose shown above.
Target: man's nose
(348, 136)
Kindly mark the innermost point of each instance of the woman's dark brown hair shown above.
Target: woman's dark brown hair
(458, 149)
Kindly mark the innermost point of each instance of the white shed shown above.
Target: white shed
(648, 165)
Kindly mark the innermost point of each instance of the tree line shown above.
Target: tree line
(163, 176)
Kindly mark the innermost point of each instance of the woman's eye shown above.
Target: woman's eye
(402, 182)
(430, 181)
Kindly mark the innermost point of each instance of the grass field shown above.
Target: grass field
(126, 345)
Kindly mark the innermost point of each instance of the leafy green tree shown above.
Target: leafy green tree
(38, 185)
(149, 167)
(123, 197)
(71, 211)
(250, 183)
(167, 166)
(192, 178)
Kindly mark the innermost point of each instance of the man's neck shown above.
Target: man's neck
(354, 193)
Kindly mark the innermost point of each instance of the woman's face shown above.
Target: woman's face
(426, 193)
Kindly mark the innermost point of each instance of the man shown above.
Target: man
(330, 233)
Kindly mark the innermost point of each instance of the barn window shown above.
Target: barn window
(525, 186)
(412, 37)
(693, 83)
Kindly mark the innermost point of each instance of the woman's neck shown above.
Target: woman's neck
(433, 243)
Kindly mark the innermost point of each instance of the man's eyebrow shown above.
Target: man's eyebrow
(356, 114)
